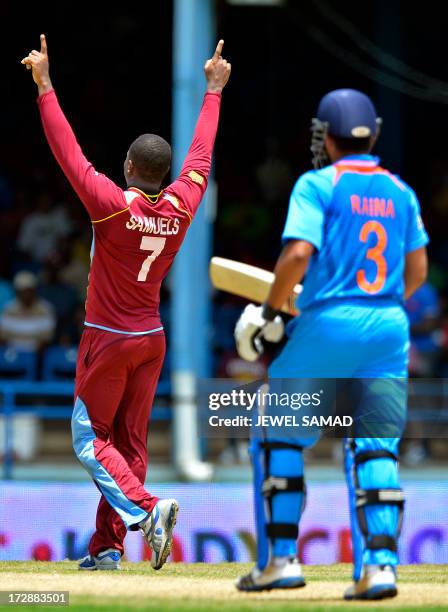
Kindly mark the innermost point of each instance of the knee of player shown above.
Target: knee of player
(83, 446)
(138, 466)
(83, 434)
(84, 450)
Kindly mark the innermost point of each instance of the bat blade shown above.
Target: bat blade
(247, 282)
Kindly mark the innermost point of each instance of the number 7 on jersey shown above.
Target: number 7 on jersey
(150, 243)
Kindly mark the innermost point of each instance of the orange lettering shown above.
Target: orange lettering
(355, 201)
(390, 210)
(375, 254)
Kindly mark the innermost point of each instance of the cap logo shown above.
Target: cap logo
(361, 131)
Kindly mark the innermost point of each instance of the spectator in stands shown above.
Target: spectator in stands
(27, 322)
(41, 230)
(62, 297)
(423, 310)
(73, 256)
(6, 292)
(71, 334)
(443, 365)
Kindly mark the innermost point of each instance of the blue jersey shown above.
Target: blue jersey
(362, 221)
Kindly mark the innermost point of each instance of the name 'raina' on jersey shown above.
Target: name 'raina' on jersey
(154, 225)
(372, 207)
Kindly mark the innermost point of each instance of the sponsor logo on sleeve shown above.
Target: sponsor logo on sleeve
(196, 178)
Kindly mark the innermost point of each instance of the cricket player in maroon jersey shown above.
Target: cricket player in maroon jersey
(136, 235)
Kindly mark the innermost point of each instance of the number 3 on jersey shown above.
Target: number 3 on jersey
(375, 254)
(150, 243)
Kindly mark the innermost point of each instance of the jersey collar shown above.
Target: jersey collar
(360, 161)
(152, 198)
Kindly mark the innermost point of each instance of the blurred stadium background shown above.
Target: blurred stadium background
(123, 71)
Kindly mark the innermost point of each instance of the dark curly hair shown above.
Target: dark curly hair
(151, 156)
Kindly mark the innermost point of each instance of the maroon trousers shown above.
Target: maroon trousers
(116, 380)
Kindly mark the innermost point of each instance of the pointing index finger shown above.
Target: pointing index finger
(43, 44)
(218, 51)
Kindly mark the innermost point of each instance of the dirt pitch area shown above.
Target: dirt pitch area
(210, 587)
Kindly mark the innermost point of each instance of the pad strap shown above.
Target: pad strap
(377, 542)
(374, 454)
(268, 445)
(289, 531)
(367, 497)
(280, 484)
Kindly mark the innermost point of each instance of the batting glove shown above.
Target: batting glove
(255, 323)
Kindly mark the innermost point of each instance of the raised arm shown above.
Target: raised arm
(100, 195)
(191, 184)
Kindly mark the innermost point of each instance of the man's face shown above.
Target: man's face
(27, 297)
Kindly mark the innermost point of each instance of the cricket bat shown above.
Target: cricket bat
(248, 282)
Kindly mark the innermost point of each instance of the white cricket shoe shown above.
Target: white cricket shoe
(281, 573)
(376, 582)
(157, 530)
(106, 560)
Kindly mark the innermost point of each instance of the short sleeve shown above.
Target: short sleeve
(306, 212)
(416, 236)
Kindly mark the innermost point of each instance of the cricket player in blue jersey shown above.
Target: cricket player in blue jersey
(355, 230)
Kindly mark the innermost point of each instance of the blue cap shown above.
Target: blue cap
(349, 114)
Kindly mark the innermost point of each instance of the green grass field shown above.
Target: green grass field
(209, 587)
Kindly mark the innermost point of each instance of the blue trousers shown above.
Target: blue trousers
(340, 340)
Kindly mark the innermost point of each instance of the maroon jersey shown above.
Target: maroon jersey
(135, 236)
